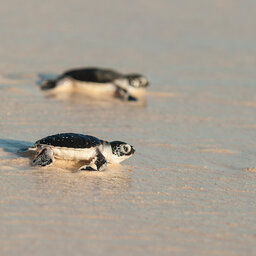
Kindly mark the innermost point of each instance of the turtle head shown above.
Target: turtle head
(121, 151)
(137, 80)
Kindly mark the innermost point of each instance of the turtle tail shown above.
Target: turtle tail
(48, 84)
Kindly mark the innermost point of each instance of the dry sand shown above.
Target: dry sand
(190, 188)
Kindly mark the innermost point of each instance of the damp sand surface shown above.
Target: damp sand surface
(190, 187)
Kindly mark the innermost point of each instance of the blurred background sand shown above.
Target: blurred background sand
(190, 188)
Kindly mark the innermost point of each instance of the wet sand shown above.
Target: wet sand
(190, 188)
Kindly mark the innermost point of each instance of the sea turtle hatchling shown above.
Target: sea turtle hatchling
(99, 82)
(78, 147)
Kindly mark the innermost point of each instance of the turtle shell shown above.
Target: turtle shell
(70, 140)
(92, 75)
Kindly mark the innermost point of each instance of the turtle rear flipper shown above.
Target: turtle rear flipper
(44, 158)
(99, 161)
(48, 84)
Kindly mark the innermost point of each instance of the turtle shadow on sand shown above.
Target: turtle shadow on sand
(41, 77)
(16, 147)
(13, 154)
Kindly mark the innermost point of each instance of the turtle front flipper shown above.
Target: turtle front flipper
(44, 158)
(124, 94)
(99, 161)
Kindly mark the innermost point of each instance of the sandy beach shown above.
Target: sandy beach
(190, 187)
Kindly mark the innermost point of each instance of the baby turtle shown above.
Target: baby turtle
(78, 147)
(99, 82)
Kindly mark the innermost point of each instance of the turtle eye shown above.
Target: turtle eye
(126, 148)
